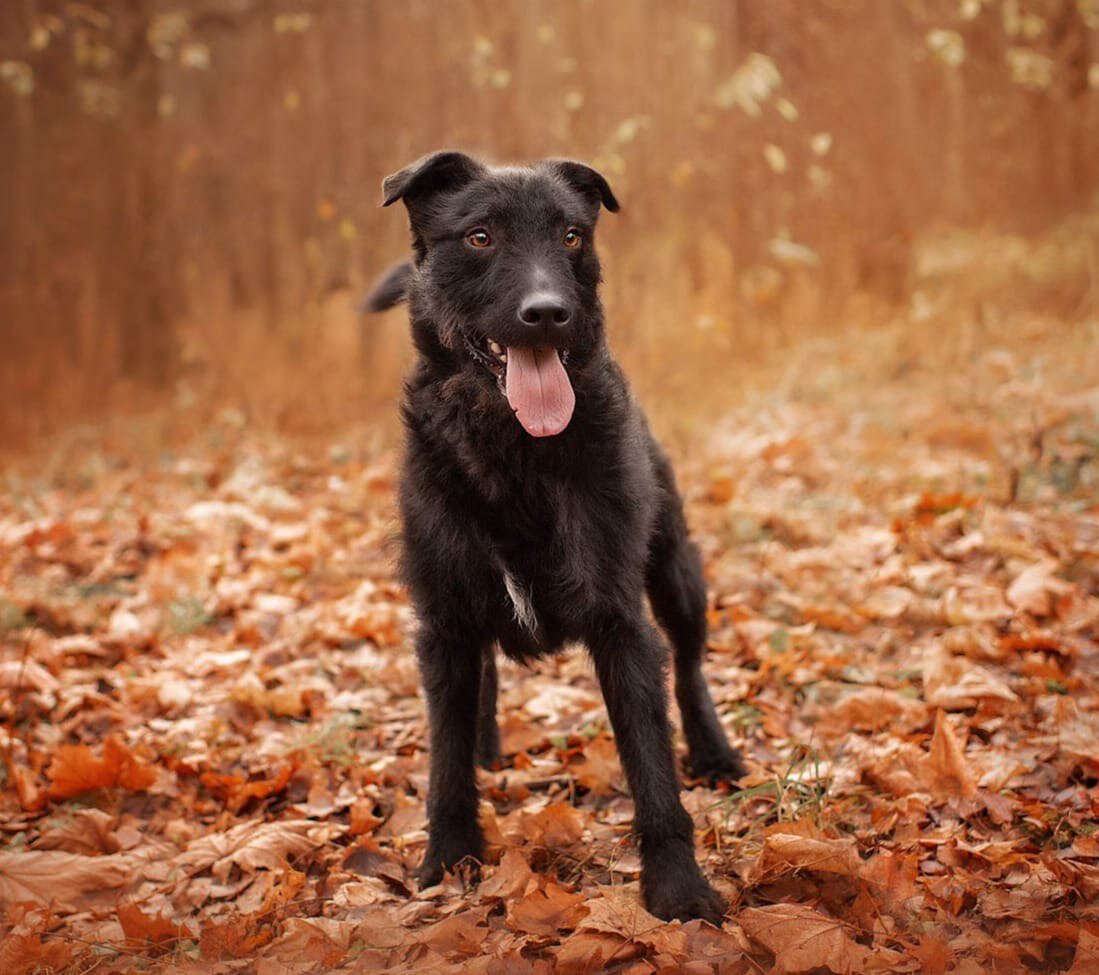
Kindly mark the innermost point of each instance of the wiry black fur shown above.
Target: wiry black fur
(586, 522)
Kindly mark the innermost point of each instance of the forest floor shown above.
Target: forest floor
(213, 742)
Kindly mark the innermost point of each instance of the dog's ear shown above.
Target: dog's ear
(432, 173)
(585, 180)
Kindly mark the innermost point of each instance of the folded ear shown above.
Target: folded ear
(590, 182)
(430, 174)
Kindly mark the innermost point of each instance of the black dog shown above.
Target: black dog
(537, 508)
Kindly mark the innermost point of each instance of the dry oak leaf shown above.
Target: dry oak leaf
(49, 876)
(545, 910)
(75, 769)
(254, 846)
(783, 852)
(803, 939)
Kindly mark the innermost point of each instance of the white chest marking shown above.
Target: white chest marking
(520, 603)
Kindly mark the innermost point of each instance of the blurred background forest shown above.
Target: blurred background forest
(190, 187)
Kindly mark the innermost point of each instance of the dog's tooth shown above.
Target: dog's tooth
(494, 346)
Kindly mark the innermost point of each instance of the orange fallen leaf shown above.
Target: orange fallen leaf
(944, 771)
(1086, 961)
(803, 939)
(589, 952)
(559, 824)
(458, 935)
(546, 910)
(783, 852)
(510, 878)
(234, 938)
(76, 769)
(50, 876)
(155, 928)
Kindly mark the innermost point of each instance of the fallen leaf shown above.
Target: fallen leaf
(50, 876)
(944, 771)
(545, 910)
(784, 852)
(75, 770)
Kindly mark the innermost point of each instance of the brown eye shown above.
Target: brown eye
(573, 238)
(478, 238)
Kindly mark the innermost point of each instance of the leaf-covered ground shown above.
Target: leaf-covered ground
(214, 749)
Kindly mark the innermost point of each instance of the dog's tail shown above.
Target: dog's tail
(391, 289)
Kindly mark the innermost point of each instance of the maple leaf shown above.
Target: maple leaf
(75, 770)
(31, 796)
(234, 938)
(237, 792)
(155, 928)
(88, 831)
(1086, 960)
(558, 825)
(954, 683)
(803, 939)
(459, 935)
(598, 770)
(943, 770)
(1035, 588)
(253, 846)
(873, 709)
(25, 954)
(545, 910)
(589, 952)
(891, 879)
(510, 878)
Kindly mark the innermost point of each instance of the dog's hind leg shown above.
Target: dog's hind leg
(488, 731)
(450, 667)
(677, 593)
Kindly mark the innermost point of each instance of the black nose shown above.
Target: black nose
(544, 310)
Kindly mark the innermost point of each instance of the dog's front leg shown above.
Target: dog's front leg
(450, 669)
(629, 660)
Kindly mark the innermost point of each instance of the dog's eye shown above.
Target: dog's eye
(573, 238)
(478, 238)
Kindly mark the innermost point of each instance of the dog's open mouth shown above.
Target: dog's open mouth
(533, 379)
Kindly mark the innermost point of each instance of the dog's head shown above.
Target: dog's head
(506, 268)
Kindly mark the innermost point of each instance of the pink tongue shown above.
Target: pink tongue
(539, 390)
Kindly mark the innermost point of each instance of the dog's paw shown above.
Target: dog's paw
(716, 765)
(489, 755)
(684, 896)
(461, 856)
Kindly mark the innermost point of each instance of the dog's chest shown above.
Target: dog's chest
(522, 604)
